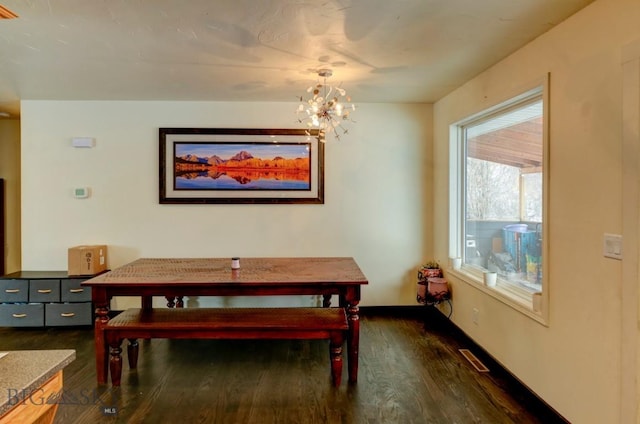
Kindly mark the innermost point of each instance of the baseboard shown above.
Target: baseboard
(435, 320)
(396, 311)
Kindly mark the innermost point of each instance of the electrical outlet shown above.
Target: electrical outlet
(475, 315)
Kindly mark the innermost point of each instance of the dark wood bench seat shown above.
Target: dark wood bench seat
(225, 323)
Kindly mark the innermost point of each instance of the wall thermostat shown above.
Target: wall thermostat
(83, 141)
(81, 192)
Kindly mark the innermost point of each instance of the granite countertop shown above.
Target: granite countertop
(23, 371)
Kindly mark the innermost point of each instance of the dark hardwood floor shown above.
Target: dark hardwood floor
(410, 372)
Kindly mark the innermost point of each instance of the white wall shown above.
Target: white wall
(375, 182)
(574, 364)
(10, 171)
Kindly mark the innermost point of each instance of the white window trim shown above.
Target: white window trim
(519, 299)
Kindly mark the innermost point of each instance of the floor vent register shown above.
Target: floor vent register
(473, 360)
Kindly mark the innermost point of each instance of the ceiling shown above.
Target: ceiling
(258, 50)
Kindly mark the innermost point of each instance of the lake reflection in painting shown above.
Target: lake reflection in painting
(242, 166)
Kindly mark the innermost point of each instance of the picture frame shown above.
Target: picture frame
(240, 165)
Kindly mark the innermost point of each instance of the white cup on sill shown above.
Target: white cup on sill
(456, 263)
(490, 278)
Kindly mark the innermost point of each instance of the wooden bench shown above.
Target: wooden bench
(224, 323)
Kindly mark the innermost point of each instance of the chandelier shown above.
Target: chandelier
(325, 108)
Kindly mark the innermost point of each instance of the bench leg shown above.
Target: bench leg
(353, 341)
(132, 353)
(335, 354)
(115, 361)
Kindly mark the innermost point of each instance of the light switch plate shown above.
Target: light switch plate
(612, 247)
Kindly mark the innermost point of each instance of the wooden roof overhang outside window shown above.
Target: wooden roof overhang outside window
(518, 145)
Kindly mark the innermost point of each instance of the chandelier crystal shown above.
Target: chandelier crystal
(325, 107)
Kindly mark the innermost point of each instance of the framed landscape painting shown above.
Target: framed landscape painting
(233, 165)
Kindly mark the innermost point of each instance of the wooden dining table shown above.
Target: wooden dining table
(175, 278)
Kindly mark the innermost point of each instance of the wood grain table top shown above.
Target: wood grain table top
(312, 270)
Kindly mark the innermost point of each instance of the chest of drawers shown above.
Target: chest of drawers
(44, 299)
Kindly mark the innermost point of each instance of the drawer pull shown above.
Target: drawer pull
(18, 315)
(44, 291)
(67, 314)
(12, 291)
(76, 290)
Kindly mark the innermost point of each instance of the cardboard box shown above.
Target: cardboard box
(87, 260)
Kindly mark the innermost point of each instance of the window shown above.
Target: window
(498, 177)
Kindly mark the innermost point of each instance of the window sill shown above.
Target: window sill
(517, 298)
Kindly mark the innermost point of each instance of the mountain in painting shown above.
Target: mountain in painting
(214, 160)
(193, 158)
(243, 155)
(241, 160)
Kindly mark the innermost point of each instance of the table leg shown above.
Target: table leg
(353, 340)
(326, 300)
(102, 363)
(171, 301)
(147, 302)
